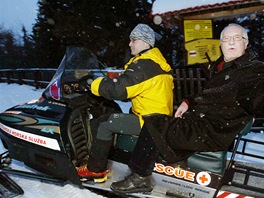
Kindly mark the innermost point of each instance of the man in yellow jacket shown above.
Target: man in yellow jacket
(147, 81)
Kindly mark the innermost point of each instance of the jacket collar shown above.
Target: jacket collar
(241, 61)
(143, 51)
(244, 59)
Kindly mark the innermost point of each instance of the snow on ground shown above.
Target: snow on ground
(13, 94)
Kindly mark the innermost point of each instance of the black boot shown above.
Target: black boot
(134, 183)
(98, 158)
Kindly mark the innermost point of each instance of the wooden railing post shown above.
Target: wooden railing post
(9, 77)
(21, 75)
(37, 76)
(199, 81)
(191, 82)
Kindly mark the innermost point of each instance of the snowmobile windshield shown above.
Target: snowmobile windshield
(76, 63)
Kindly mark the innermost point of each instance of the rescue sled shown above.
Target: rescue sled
(53, 135)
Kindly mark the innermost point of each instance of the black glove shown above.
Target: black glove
(84, 84)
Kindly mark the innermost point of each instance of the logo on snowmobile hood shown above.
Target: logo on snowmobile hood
(28, 106)
(55, 90)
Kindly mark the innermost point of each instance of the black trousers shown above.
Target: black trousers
(106, 126)
(118, 123)
(144, 155)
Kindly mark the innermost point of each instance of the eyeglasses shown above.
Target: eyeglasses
(235, 38)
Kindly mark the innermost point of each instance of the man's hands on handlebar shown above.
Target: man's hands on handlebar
(81, 86)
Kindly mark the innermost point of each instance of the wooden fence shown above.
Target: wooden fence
(188, 81)
(37, 77)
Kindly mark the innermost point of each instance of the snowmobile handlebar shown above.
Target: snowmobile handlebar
(83, 85)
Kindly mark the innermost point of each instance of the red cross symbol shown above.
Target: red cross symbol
(203, 179)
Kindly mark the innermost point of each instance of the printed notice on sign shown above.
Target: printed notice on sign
(197, 29)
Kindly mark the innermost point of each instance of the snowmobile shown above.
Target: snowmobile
(53, 134)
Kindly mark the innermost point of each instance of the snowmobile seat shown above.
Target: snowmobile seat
(216, 161)
(208, 161)
(126, 142)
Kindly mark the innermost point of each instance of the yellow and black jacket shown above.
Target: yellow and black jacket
(147, 81)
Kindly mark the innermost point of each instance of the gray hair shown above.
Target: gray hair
(245, 34)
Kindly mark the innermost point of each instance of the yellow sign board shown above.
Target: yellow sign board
(197, 29)
(197, 50)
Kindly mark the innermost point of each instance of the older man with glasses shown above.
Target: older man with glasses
(234, 41)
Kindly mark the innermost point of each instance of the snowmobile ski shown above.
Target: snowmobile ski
(9, 188)
(41, 177)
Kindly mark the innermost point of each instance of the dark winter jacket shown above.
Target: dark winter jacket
(229, 100)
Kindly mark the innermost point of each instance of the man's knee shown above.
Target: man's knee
(104, 133)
